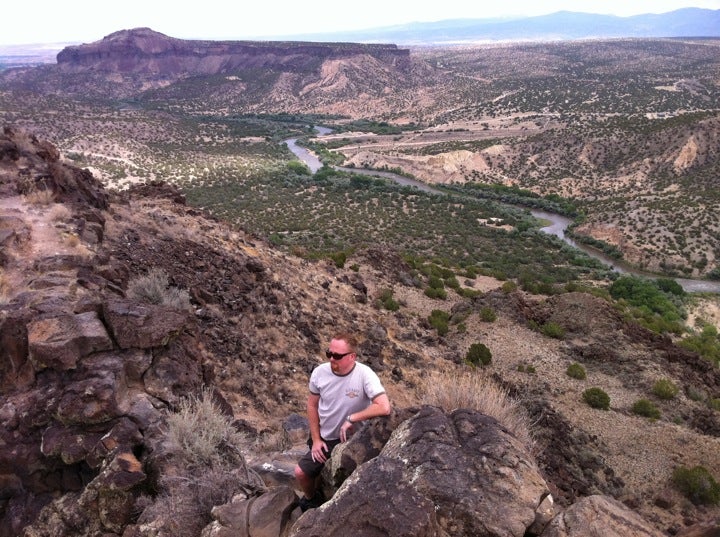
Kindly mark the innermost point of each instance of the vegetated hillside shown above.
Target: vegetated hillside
(625, 128)
(261, 318)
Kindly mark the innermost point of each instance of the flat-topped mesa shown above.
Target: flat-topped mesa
(144, 51)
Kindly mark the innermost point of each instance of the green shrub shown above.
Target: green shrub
(576, 371)
(154, 288)
(295, 166)
(478, 355)
(695, 394)
(488, 315)
(439, 320)
(452, 283)
(665, 389)
(432, 292)
(644, 407)
(509, 287)
(714, 403)
(338, 258)
(596, 398)
(706, 344)
(553, 329)
(466, 292)
(655, 304)
(668, 285)
(387, 300)
(697, 484)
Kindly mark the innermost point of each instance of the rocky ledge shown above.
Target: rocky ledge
(144, 51)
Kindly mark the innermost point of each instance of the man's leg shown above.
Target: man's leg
(306, 483)
(306, 474)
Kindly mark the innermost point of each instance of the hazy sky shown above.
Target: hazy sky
(63, 21)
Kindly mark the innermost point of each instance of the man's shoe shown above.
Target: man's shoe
(316, 501)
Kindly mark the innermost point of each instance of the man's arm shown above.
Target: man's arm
(380, 406)
(313, 414)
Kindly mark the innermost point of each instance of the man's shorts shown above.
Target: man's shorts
(310, 467)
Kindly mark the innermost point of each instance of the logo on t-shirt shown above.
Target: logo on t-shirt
(352, 393)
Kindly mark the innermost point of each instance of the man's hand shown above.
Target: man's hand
(318, 451)
(346, 426)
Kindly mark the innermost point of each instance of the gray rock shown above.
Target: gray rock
(457, 474)
(709, 528)
(598, 516)
(267, 515)
(59, 342)
(143, 326)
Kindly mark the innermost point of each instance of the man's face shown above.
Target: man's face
(341, 359)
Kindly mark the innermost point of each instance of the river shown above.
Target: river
(557, 227)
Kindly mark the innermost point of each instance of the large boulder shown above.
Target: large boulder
(459, 474)
(59, 341)
(267, 515)
(598, 516)
(103, 507)
(364, 445)
(143, 326)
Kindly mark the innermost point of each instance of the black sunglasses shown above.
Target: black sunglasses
(336, 355)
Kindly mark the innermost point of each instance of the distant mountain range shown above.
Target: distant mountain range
(563, 25)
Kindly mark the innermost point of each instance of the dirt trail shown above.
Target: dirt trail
(39, 231)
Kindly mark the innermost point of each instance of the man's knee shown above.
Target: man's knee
(299, 474)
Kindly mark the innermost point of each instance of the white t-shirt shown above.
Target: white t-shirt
(342, 395)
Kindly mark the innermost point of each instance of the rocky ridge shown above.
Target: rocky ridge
(89, 374)
(144, 51)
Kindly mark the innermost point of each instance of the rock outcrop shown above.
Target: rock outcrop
(456, 474)
(88, 374)
(143, 51)
(598, 515)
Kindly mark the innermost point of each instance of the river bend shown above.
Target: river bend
(558, 223)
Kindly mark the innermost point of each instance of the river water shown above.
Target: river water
(557, 227)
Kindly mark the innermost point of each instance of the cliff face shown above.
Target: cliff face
(143, 51)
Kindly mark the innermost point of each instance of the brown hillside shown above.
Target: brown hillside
(261, 318)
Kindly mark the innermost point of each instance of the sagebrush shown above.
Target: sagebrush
(476, 391)
(203, 467)
(154, 288)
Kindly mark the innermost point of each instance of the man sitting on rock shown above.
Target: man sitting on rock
(342, 392)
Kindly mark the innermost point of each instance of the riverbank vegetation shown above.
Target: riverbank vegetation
(657, 304)
(318, 216)
(516, 196)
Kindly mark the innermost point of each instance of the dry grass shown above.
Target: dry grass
(200, 435)
(4, 288)
(60, 213)
(475, 390)
(40, 197)
(207, 467)
(72, 240)
(154, 288)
